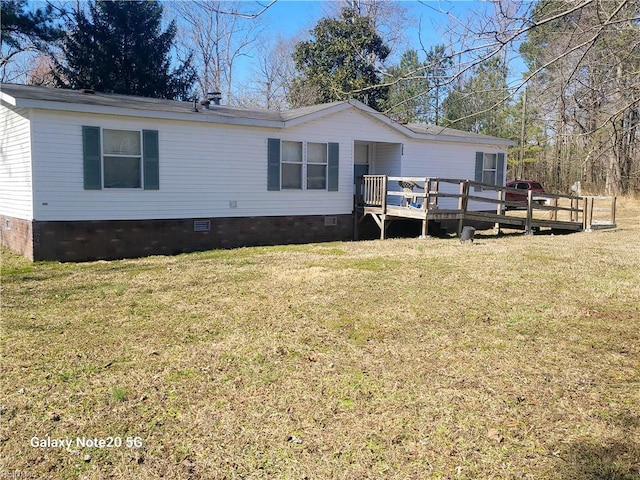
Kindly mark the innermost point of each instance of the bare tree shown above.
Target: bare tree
(272, 73)
(218, 33)
(42, 72)
(582, 63)
(389, 18)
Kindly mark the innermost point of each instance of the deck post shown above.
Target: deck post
(425, 228)
(574, 210)
(436, 188)
(384, 195)
(425, 207)
(500, 210)
(383, 216)
(462, 203)
(427, 196)
(613, 210)
(528, 228)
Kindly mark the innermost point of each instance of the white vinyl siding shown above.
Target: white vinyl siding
(16, 194)
(218, 170)
(387, 159)
(207, 170)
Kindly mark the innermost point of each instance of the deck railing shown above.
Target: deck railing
(484, 201)
(372, 190)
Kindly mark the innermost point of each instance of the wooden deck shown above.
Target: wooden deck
(427, 199)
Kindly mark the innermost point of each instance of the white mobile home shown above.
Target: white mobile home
(86, 175)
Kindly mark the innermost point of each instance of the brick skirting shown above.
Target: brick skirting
(17, 234)
(111, 239)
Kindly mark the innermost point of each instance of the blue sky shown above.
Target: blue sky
(427, 20)
(426, 26)
(290, 16)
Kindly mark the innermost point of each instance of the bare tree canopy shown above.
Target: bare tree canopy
(217, 33)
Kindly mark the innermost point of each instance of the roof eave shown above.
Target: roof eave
(8, 99)
(503, 142)
(131, 112)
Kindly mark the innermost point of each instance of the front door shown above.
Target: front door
(359, 171)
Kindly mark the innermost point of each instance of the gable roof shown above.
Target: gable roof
(28, 96)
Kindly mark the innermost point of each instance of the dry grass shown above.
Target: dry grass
(515, 357)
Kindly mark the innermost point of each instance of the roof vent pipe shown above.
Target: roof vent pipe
(214, 97)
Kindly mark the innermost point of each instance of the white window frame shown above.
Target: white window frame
(284, 162)
(324, 164)
(105, 155)
(485, 170)
(304, 164)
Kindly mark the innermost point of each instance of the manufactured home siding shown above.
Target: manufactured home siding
(206, 170)
(446, 160)
(387, 159)
(219, 170)
(15, 164)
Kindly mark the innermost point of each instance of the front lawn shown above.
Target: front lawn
(513, 357)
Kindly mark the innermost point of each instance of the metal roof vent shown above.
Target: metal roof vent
(214, 97)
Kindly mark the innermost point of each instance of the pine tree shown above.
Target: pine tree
(24, 29)
(479, 104)
(121, 48)
(409, 92)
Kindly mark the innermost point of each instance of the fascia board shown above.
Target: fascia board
(498, 142)
(130, 112)
(426, 136)
(7, 99)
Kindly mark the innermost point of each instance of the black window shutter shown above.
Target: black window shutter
(151, 160)
(334, 167)
(500, 170)
(92, 153)
(273, 164)
(479, 165)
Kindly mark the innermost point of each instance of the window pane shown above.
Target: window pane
(121, 172)
(291, 175)
(489, 177)
(121, 142)
(316, 177)
(292, 152)
(490, 161)
(317, 152)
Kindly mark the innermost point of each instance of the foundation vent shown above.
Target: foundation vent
(330, 221)
(202, 225)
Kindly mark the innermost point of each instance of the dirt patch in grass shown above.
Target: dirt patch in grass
(513, 357)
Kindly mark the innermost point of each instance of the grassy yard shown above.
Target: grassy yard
(510, 358)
